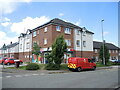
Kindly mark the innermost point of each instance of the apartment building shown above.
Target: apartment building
(10, 50)
(25, 46)
(79, 40)
(113, 50)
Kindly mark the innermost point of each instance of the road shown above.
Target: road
(106, 78)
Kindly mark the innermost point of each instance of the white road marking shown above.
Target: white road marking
(27, 75)
(18, 76)
(42, 74)
(8, 76)
(35, 74)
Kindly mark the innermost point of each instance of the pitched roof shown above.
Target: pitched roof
(62, 23)
(97, 45)
(10, 45)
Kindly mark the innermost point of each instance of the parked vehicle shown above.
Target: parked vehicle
(2, 60)
(9, 61)
(113, 60)
(118, 61)
(76, 63)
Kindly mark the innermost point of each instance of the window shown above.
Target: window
(57, 28)
(45, 41)
(109, 51)
(84, 33)
(38, 32)
(95, 50)
(27, 46)
(45, 29)
(20, 46)
(84, 43)
(78, 32)
(113, 51)
(116, 51)
(34, 34)
(67, 30)
(68, 42)
(78, 43)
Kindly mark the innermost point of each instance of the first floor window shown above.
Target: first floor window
(45, 41)
(68, 42)
(45, 29)
(34, 33)
(78, 43)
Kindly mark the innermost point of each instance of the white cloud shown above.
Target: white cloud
(5, 39)
(9, 6)
(78, 22)
(28, 23)
(5, 24)
(105, 33)
(61, 14)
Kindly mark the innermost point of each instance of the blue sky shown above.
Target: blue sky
(84, 14)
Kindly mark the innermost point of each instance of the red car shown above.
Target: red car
(9, 61)
(2, 60)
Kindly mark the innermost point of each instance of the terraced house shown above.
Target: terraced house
(113, 50)
(79, 40)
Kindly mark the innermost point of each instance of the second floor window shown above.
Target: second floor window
(67, 30)
(34, 34)
(78, 32)
(57, 28)
(45, 29)
(68, 42)
(84, 43)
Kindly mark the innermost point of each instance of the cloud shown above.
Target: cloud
(78, 22)
(9, 6)
(61, 14)
(28, 23)
(5, 24)
(5, 39)
(105, 33)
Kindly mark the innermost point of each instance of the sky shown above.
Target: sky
(17, 17)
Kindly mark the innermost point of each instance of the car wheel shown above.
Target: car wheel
(93, 68)
(8, 64)
(79, 69)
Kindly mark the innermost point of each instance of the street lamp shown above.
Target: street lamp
(103, 40)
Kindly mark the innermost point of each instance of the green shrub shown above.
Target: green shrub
(32, 66)
(64, 66)
(52, 66)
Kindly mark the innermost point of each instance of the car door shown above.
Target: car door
(11, 61)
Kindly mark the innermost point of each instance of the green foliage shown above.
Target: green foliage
(32, 66)
(52, 66)
(106, 54)
(36, 49)
(64, 66)
(57, 54)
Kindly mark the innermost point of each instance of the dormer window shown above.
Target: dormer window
(45, 29)
(34, 33)
(57, 28)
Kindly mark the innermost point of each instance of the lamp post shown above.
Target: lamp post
(4, 48)
(103, 40)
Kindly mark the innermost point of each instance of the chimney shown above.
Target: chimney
(11, 42)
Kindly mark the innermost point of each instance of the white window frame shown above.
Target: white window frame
(45, 41)
(84, 43)
(68, 42)
(45, 29)
(58, 28)
(78, 43)
(67, 30)
(78, 32)
(34, 33)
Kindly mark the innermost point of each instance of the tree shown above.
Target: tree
(106, 54)
(57, 54)
(36, 50)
